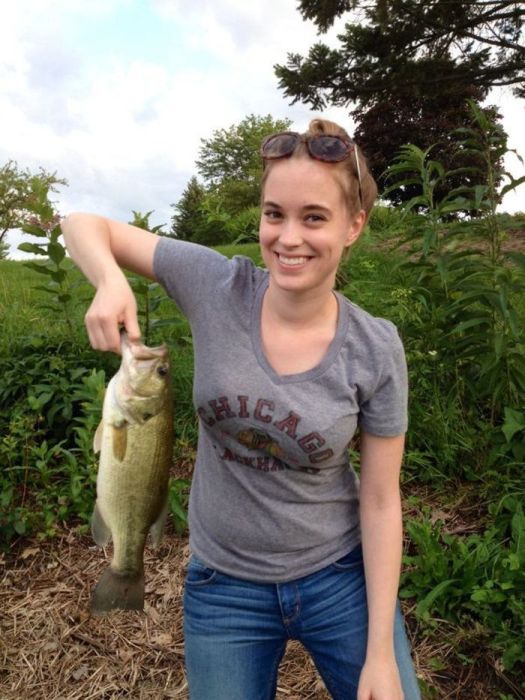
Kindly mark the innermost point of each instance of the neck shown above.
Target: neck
(300, 310)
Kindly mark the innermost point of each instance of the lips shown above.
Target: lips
(292, 261)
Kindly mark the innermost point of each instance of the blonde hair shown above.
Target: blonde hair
(352, 170)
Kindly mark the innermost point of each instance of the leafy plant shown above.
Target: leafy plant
(44, 223)
(479, 577)
(150, 296)
(178, 502)
(468, 302)
(514, 430)
(45, 435)
(19, 189)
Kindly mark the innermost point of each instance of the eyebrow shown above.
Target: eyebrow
(308, 207)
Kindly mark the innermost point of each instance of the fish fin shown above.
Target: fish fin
(97, 440)
(157, 529)
(120, 441)
(100, 531)
(117, 591)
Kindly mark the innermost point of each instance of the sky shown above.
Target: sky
(116, 95)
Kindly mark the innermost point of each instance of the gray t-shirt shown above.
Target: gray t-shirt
(273, 494)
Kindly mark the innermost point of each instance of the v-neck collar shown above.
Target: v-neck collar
(328, 358)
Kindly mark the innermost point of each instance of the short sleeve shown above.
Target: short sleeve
(205, 285)
(384, 411)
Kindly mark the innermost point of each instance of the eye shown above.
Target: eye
(162, 371)
(272, 214)
(315, 218)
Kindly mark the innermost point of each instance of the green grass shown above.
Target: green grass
(250, 250)
(19, 300)
(22, 304)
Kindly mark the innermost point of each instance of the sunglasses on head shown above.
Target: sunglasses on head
(329, 149)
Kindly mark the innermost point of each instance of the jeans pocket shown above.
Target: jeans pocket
(198, 574)
(352, 560)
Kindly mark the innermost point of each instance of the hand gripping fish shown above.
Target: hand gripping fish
(135, 439)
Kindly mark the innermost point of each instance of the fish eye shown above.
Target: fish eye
(162, 371)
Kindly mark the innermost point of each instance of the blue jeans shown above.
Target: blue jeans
(236, 631)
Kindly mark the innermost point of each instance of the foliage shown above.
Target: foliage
(225, 207)
(242, 227)
(408, 70)
(386, 221)
(425, 120)
(230, 162)
(178, 502)
(475, 578)
(469, 302)
(44, 223)
(149, 294)
(18, 191)
(43, 481)
(142, 221)
(51, 393)
(249, 250)
(396, 43)
(191, 221)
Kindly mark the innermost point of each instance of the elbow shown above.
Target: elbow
(380, 500)
(77, 223)
(70, 223)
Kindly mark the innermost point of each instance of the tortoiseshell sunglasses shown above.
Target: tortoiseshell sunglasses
(329, 149)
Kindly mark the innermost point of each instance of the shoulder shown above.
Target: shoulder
(194, 275)
(172, 253)
(372, 332)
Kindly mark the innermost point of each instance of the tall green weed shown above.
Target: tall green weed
(460, 312)
(466, 301)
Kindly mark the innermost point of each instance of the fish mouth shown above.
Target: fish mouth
(140, 352)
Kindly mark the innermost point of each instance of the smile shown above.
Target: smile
(292, 261)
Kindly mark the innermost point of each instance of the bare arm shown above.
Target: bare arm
(100, 247)
(381, 531)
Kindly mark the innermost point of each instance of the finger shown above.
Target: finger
(96, 337)
(131, 325)
(111, 334)
(103, 331)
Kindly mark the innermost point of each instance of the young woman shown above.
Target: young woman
(286, 543)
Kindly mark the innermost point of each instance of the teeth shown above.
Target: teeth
(292, 261)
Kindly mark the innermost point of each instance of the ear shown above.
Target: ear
(354, 230)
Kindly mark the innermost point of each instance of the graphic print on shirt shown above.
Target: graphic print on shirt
(241, 412)
(258, 440)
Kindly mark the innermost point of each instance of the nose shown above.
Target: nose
(290, 234)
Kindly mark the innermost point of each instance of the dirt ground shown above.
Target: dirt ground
(52, 649)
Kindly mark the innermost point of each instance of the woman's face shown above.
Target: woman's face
(305, 224)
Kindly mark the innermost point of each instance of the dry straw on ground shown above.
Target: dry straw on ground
(52, 649)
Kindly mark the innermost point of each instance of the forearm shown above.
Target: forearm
(100, 247)
(88, 241)
(381, 531)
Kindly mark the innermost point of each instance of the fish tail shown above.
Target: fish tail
(117, 591)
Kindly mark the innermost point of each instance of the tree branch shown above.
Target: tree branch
(459, 29)
(501, 42)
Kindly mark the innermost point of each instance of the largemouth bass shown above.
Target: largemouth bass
(135, 439)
